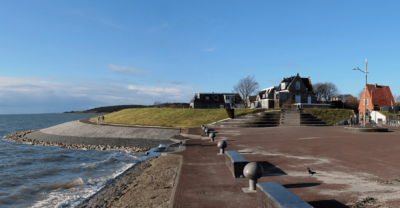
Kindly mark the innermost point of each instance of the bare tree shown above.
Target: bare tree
(319, 90)
(330, 91)
(246, 87)
(397, 100)
(325, 91)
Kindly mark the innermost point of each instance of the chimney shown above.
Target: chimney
(297, 74)
(376, 85)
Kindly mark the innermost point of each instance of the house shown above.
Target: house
(250, 101)
(216, 100)
(346, 97)
(378, 97)
(297, 90)
(265, 98)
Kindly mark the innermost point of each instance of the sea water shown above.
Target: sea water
(50, 176)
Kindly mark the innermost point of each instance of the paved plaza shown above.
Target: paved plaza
(348, 166)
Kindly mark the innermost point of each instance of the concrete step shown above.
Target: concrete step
(309, 120)
(261, 119)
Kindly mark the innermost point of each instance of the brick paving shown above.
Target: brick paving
(347, 164)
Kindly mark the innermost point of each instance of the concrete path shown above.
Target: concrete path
(350, 166)
(76, 132)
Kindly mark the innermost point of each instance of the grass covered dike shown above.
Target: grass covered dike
(329, 116)
(172, 117)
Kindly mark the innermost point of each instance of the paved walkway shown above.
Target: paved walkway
(347, 165)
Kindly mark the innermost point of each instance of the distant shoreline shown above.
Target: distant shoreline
(104, 113)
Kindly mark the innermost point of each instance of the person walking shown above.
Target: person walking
(98, 120)
(102, 119)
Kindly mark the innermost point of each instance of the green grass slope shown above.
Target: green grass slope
(329, 116)
(171, 117)
(389, 115)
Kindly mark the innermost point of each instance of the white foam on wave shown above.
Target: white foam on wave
(70, 194)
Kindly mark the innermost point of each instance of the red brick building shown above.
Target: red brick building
(381, 96)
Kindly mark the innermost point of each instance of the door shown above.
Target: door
(309, 99)
(298, 99)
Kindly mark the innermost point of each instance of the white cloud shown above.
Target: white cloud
(39, 94)
(132, 87)
(210, 49)
(125, 70)
(156, 91)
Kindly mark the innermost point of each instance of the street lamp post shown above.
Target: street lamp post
(372, 89)
(365, 88)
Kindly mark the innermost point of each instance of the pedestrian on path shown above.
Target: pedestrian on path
(98, 120)
(102, 119)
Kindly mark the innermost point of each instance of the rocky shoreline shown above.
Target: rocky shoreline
(19, 137)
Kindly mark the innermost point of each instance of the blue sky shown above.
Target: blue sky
(73, 55)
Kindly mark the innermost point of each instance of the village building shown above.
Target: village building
(345, 97)
(299, 90)
(378, 98)
(265, 98)
(251, 101)
(216, 100)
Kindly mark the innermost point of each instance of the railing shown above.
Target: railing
(393, 121)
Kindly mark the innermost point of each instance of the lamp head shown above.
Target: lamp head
(353, 69)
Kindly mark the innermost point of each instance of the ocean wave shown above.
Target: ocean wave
(66, 185)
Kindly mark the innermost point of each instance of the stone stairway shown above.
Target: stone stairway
(261, 119)
(309, 120)
(290, 117)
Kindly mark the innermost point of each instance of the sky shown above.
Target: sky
(58, 56)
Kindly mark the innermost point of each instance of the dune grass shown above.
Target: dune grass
(171, 117)
(329, 116)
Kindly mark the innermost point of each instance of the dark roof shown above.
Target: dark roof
(307, 83)
(219, 93)
(289, 80)
(214, 98)
(252, 98)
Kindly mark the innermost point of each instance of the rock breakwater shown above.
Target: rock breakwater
(19, 137)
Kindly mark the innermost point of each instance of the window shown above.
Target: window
(283, 85)
(365, 102)
(277, 96)
(297, 85)
(221, 106)
(207, 97)
(227, 98)
(263, 96)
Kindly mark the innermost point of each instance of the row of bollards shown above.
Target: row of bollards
(221, 144)
(253, 171)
